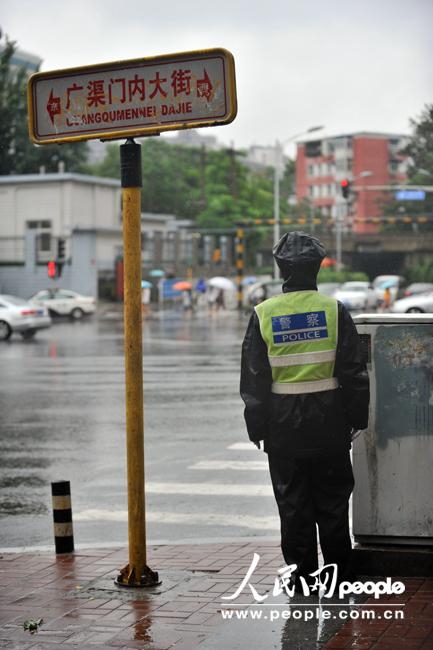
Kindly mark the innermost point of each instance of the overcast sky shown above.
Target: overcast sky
(351, 66)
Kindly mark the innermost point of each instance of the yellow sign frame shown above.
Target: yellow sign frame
(130, 132)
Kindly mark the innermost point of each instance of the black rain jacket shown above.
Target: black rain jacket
(305, 425)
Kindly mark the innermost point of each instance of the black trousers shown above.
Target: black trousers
(312, 491)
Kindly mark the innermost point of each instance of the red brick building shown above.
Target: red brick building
(365, 159)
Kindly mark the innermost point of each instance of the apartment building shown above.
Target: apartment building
(366, 159)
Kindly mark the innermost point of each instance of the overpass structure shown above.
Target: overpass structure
(383, 252)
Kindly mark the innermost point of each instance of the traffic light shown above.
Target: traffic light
(61, 249)
(345, 188)
(52, 270)
(61, 255)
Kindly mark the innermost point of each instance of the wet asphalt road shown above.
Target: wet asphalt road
(62, 417)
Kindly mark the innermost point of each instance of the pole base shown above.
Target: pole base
(126, 578)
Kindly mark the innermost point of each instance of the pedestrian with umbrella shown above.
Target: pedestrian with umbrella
(145, 297)
(218, 285)
(186, 288)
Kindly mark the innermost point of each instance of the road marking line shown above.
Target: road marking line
(243, 446)
(207, 518)
(238, 465)
(211, 489)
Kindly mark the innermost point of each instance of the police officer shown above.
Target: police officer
(305, 387)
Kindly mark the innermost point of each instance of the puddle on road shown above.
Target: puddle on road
(12, 506)
(21, 481)
(24, 462)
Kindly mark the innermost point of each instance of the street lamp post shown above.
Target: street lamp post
(278, 150)
(277, 164)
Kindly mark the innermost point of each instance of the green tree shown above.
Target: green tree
(215, 189)
(18, 155)
(420, 172)
(420, 148)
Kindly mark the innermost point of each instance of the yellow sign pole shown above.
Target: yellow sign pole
(136, 573)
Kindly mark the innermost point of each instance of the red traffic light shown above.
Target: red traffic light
(51, 269)
(345, 188)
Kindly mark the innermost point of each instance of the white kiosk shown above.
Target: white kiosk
(393, 459)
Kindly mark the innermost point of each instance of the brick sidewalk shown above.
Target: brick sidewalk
(415, 631)
(80, 605)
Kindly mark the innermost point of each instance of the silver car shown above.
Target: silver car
(18, 315)
(357, 295)
(418, 304)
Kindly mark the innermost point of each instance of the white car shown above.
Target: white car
(18, 315)
(328, 288)
(357, 295)
(418, 304)
(63, 302)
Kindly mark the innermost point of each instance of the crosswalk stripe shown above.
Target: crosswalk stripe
(238, 465)
(197, 518)
(211, 489)
(243, 446)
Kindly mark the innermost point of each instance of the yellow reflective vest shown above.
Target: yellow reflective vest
(300, 329)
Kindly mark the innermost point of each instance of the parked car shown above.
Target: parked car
(63, 302)
(18, 315)
(328, 288)
(418, 287)
(417, 304)
(396, 284)
(357, 295)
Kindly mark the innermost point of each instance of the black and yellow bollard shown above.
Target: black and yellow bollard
(62, 517)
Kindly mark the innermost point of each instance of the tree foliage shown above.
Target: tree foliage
(420, 172)
(18, 155)
(345, 275)
(420, 148)
(420, 152)
(214, 188)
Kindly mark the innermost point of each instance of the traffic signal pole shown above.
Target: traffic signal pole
(342, 214)
(342, 211)
(240, 235)
(136, 573)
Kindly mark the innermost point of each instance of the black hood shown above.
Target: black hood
(299, 257)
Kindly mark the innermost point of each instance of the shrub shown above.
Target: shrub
(422, 272)
(330, 275)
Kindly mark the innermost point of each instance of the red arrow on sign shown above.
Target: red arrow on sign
(53, 106)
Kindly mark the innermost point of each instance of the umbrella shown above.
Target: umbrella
(388, 284)
(156, 273)
(220, 282)
(146, 285)
(182, 285)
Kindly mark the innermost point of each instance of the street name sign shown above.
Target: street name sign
(410, 195)
(133, 98)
